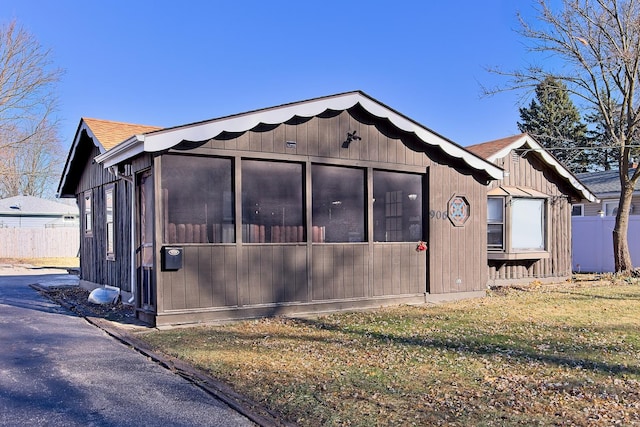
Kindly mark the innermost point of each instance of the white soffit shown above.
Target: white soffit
(167, 138)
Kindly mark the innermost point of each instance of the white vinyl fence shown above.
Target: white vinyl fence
(39, 242)
(592, 243)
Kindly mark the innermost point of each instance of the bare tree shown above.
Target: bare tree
(31, 167)
(29, 143)
(595, 46)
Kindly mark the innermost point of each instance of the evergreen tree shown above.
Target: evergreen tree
(553, 120)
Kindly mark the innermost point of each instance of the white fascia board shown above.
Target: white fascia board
(550, 160)
(122, 152)
(165, 139)
(72, 152)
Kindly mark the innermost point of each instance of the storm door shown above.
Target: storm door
(144, 250)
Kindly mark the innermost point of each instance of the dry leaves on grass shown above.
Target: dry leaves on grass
(564, 355)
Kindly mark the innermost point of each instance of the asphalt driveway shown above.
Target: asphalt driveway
(56, 369)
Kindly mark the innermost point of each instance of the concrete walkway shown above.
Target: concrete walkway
(56, 369)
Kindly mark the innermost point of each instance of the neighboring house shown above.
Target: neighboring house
(35, 212)
(312, 206)
(31, 227)
(594, 223)
(529, 212)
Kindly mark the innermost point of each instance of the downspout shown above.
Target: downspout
(134, 285)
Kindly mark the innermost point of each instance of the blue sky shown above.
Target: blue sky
(168, 63)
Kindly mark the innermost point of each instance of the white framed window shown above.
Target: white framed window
(517, 227)
(109, 221)
(610, 208)
(577, 209)
(88, 217)
(528, 224)
(495, 223)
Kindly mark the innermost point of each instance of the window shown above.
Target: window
(527, 224)
(397, 207)
(198, 196)
(338, 204)
(88, 219)
(495, 222)
(272, 202)
(611, 208)
(577, 210)
(516, 227)
(109, 221)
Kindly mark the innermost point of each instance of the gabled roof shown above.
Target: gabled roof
(30, 205)
(109, 133)
(606, 183)
(201, 131)
(494, 150)
(104, 134)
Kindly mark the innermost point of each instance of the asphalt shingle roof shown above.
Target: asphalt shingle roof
(604, 183)
(35, 205)
(110, 133)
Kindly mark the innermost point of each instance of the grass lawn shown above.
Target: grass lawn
(541, 355)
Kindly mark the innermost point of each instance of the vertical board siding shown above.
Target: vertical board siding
(452, 248)
(340, 271)
(275, 273)
(94, 266)
(245, 275)
(529, 172)
(399, 269)
(207, 279)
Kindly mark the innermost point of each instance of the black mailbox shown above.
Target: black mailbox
(171, 258)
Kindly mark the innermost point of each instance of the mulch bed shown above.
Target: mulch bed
(75, 298)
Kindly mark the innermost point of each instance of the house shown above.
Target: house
(32, 227)
(85, 181)
(36, 212)
(594, 222)
(306, 207)
(529, 212)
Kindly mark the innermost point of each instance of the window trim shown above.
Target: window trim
(109, 221)
(87, 202)
(501, 247)
(507, 253)
(581, 206)
(614, 203)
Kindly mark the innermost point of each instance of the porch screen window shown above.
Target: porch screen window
(88, 218)
(109, 221)
(197, 199)
(338, 199)
(272, 202)
(397, 207)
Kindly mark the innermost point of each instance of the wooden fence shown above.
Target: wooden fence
(39, 242)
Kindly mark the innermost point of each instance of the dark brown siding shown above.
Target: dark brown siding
(530, 171)
(457, 254)
(94, 267)
(254, 275)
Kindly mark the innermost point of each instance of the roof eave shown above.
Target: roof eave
(122, 152)
(82, 126)
(549, 159)
(168, 138)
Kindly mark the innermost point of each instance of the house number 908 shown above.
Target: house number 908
(437, 214)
